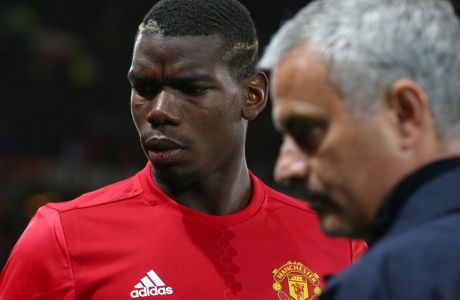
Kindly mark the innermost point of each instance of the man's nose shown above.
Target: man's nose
(292, 164)
(164, 110)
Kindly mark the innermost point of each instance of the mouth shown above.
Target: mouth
(162, 150)
(319, 202)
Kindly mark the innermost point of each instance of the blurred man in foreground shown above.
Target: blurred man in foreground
(367, 94)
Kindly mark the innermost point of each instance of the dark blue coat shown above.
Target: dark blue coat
(416, 250)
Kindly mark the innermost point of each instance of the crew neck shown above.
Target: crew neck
(156, 196)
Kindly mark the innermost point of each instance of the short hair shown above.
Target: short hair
(367, 45)
(229, 19)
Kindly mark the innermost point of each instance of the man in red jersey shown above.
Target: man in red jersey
(194, 223)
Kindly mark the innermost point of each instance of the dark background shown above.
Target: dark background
(65, 123)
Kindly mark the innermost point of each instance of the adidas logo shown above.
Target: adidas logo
(151, 285)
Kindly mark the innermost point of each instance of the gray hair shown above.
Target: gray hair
(369, 44)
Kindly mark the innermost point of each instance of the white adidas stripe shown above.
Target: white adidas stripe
(147, 281)
(155, 278)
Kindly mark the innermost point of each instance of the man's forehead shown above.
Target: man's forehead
(301, 87)
(295, 109)
(213, 40)
(184, 58)
(184, 47)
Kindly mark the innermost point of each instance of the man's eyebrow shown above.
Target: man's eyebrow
(179, 79)
(193, 78)
(295, 119)
(282, 125)
(136, 77)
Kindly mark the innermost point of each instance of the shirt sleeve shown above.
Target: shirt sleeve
(39, 267)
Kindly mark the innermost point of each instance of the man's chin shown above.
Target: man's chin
(336, 226)
(333, 225)
(175, 177)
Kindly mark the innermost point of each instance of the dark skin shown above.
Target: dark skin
(191, 115)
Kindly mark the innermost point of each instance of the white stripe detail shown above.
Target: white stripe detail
(138, 286)
(155, 278)
(146, 281)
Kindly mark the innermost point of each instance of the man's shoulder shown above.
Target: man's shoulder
(435, 238)
(278, 199)
(115, 192)
(399, 265)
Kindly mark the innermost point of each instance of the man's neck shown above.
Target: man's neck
(220, 193)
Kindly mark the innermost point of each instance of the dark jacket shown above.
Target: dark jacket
(415, 253)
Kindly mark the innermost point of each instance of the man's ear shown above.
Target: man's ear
(255, 95)
(411, 113)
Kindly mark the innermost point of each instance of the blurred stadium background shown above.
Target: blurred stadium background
(65, 124)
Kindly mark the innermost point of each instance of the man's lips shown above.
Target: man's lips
(161, 144)
(319, 201)
(163, 151)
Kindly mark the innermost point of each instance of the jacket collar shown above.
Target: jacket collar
(429, 192)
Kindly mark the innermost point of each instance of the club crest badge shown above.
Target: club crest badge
(294, 281)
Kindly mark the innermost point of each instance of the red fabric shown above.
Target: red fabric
(102, 244)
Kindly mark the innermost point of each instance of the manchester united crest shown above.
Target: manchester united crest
(294, 281)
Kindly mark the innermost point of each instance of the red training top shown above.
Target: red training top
(129, 240)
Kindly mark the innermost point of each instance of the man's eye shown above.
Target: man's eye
(193, 90)
(306, 136)
(145, 91)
